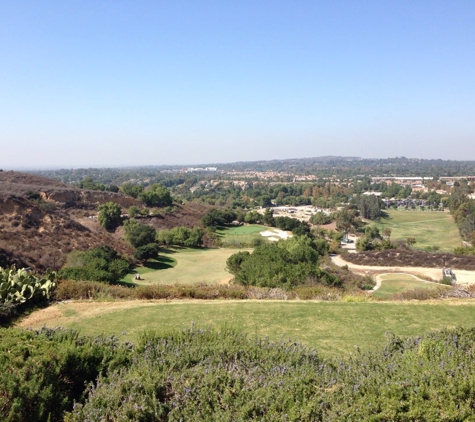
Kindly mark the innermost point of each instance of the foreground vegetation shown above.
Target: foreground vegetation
(20, 290)
(206, 375)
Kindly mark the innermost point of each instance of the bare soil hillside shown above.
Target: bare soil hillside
(42, 220)
(188, 215)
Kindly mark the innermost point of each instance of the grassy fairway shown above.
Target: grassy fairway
(186, 266)
(398, 283)
(333, 328)
(428, 228)
(241, 235)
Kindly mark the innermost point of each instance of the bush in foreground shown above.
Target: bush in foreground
(80, 290)
(227, 376)
(206, 375)
(42, 373)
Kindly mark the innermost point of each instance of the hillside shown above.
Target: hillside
(42, 220)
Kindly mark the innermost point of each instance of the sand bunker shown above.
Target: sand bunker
(275, 234)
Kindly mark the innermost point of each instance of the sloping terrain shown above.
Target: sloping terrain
(42, 220)
(188, 215)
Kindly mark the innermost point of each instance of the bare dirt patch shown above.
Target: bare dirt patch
(63, 312)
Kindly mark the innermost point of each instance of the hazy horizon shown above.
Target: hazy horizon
(144, 83)
(202, 164)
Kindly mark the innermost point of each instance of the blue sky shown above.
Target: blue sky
(111, 83)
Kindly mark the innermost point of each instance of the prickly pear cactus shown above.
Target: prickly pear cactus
(18, 286)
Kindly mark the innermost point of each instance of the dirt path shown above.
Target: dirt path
(435, 274)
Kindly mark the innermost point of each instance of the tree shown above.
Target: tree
(369, 206)
(372, 240)
(234, 262)
(134, 211)
(146, 252)
(320, 218)
(138, 234)
(156, 196)
(217, 218)
(253, 217)
(268, 217)
(265, 201)
(88, 183)
(347, 220)
(131, 189)
(109, 215)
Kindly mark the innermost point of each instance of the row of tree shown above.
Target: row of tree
(462, 208)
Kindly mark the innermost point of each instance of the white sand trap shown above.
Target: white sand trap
(283, 235)
(275, 234)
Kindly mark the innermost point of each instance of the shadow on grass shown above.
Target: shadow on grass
(168, 250)
(161, 263)
(220, 231)
(126, 283)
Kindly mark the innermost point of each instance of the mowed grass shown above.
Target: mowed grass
(185, 266)
(398, 283)
(429, 228)
(240, 235)
(333, 328)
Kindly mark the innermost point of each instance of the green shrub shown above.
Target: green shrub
(447, 281)
(207, 375)
(204, 375)
(47, 371)
(86, 274)
(98, 264)
(286, 264)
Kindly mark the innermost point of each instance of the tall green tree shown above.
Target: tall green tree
(156, 195)
(268, 217)
(137, 234)
(369, 206)
(146, 252)
(109, 215)
(131, 189)
(217, 217)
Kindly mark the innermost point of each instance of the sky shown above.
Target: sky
(131, 82)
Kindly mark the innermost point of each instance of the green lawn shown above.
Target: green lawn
(186, 266)
(429, 228)
(398, 283)
(333, 328)
(241, 235)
